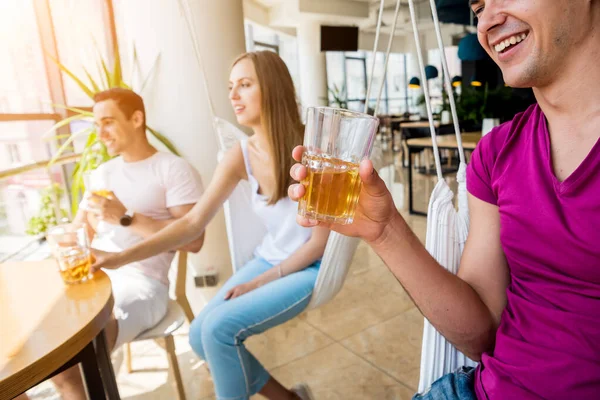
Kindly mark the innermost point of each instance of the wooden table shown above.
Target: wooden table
(47, 327)
(418, 129)
(444, 142)
(419, 124)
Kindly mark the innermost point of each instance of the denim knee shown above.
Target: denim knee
(217, 328)
(458, 385)
(195, 337)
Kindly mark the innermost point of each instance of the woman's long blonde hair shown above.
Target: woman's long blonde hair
(279, 115)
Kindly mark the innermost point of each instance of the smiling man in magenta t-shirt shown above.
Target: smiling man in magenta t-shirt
(526, 301)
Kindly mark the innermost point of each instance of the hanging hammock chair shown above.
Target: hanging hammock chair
(447, 228)
(244, 230)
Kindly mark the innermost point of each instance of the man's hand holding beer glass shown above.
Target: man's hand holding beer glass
(106, 208)
(339, 186)
(375, 209)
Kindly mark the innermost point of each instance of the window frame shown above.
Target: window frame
(54, 76)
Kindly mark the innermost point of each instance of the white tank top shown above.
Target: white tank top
(284, 235)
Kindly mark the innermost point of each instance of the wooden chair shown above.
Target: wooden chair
(177, 312)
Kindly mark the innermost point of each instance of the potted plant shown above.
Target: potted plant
(339, 96)
(47, 215)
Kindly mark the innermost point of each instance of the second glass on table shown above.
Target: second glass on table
(70, 246)
(335, 142)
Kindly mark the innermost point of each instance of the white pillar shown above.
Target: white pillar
(313, 67)
(175, 97)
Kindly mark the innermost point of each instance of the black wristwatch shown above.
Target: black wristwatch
(126, 219)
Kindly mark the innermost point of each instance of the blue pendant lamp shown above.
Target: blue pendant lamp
(456, 81)
(414, 83)
(431, 72)
(469, 49)
(475, 82)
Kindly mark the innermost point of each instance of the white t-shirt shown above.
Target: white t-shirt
(284, 236)
(148, 187)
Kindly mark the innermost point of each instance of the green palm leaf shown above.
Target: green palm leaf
(64, 122)
(66, 144)
(94, 85)
(71, 75)
(164, 141)
(75, 110)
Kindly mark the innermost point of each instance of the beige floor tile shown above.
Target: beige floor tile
(151, 380)
(334, 373)
(366, 300)
(394, 346)
(365, 260)
(286, 343)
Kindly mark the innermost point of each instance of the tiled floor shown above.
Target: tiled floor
(365, 344)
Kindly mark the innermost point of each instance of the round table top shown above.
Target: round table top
(45, 323)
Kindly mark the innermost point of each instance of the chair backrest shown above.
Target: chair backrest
(245, 230)
(180, 281)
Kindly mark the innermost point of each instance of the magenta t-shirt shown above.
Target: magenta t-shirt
(548, 342)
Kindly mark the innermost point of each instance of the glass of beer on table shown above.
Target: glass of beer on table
(70, 247)
(335, 142)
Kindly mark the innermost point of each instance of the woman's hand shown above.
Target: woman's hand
(239, 290)
(104, 259)
(375, 209)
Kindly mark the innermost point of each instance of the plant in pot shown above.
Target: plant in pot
(94, 152)
(495, 109)
(339, 96)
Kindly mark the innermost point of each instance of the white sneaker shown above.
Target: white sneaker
(303, 391)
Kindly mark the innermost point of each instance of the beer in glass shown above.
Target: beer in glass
(335, 142)
(70, 247)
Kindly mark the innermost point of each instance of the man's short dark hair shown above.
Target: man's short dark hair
(127, 100)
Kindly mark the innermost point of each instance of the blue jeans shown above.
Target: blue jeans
(455, 386)
(218, 333)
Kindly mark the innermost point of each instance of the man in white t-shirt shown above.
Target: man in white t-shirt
(148, 190)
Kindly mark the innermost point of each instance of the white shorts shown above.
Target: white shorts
(140, 302)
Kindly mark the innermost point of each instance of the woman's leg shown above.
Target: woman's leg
(236, 373)
(249, 271)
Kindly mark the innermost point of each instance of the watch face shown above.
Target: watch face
(125, 220)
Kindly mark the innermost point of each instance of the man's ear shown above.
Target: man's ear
(138, 118)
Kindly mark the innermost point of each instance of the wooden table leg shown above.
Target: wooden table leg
(411, 209)
(91, 374)
(105, 366)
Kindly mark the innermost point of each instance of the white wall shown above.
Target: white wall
(175, 97)
(367, 39)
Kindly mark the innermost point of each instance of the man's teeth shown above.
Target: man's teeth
(509, 42)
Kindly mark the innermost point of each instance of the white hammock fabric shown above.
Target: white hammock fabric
(447, 229)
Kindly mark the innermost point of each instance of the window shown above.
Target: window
(454, 68)
(13, 153)
(356, 82)
(32, 33)
(23, 81)
(352, 70)
(259, 38)
(81, 33)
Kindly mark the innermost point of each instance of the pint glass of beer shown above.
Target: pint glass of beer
(96, 183)
(70, 247)
(336, 141)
